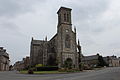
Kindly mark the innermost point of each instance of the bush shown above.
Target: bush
(62, 70)
(68, 63)
(39, 65)
(86, 67)
(30, 71)
(101, 63)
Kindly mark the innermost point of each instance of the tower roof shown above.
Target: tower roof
(63, 8)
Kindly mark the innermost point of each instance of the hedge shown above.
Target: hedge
(47, 68)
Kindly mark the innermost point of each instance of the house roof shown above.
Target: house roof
(93, 57)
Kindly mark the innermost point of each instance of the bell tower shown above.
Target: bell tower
(66, 38)
(64, 28)
(64, 16)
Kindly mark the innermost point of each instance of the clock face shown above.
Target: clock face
(66, 30)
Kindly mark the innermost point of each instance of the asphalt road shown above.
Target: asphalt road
(104, 74)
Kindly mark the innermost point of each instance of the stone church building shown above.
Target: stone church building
(60, 47)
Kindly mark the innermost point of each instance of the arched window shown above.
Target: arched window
(59, 18)
(67, 17)
(64, 17)
(67, 41)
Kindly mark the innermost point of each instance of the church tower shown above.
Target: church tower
(64, 16)
(66, 38)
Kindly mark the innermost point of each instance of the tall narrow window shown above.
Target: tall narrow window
(59, 18)
(64, 17)
(67, 17)
(67, 41)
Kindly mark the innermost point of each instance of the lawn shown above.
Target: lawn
(42, 72)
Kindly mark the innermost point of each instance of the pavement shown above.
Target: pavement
(112, 73)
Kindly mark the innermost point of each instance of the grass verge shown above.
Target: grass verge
(42, 72)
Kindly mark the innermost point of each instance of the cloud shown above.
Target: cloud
(11, 8)
(97, 23)
(8, 25)
(88, 13)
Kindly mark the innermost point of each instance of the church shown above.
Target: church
(61, 47)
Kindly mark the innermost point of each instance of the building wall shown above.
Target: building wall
(90, 61)
(22, 65)
(52, 51)
(26, 62)
(4, 60)
(38, 53)
(19, 65)
(114, 63)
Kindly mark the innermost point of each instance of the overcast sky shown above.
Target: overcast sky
(97, 23)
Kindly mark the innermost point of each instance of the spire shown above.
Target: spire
(46, 38)
(74, 29)
(79, 47)
(78, 42)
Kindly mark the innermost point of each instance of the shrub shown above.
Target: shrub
(68, 63)
(47, 68)
(39, 65)
(62, 70)
(30, 71)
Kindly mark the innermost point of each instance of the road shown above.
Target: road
(104, 74)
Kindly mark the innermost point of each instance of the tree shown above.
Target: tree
(68, 63)
(81, 66)
(101, 62)
(39, 65)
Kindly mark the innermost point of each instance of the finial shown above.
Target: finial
(32, 39)
(46, 38)
(78, 42)
(74, 29)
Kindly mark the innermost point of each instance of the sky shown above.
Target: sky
(97, 23)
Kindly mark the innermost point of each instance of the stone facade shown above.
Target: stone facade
(4, 60)
(21, 65)
(26, 62)
(60, 47)
(90, 61)
(112, 61)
